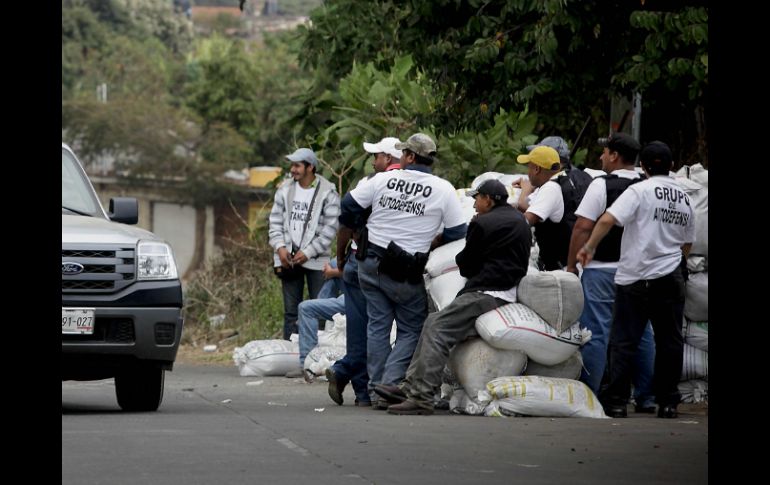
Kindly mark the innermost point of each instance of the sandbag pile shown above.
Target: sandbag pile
(694, 381)
(266, 357)
(550, 341)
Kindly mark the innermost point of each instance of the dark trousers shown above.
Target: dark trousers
(661, 301)
(352, 367)
(292, 296)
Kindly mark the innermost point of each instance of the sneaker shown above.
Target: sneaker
(298, 372)
(668, 412)
(381, 404)
(335, 386)
(409, 408)
(363, 404)
(392, 394)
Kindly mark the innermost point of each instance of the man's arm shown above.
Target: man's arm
(275, 230)
(526, 189)
(580, 234)
(603, 225)
(686, 247)
(344, 235)
(448, 235)
(468, 260)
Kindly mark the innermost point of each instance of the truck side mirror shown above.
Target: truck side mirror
(124, 209)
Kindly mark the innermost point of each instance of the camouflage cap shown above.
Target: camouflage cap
(556, 142)
(419, 143)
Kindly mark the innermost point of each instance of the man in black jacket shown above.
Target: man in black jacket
(494, 260)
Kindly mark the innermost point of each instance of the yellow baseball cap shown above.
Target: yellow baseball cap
(542, 156)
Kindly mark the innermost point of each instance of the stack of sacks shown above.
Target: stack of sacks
(331, 346)
(694, 381)
(473, 363)
(266, 357)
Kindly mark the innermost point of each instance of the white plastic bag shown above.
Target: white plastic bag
(543, 396)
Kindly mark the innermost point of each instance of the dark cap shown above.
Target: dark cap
(656, 157)
(493, 188)
(622, 143)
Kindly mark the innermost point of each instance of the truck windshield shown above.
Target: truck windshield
(76, 193)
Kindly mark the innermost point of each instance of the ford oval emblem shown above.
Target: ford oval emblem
(71, 268)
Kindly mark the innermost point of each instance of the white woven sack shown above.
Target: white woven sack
(569, 369)
(696, 334)
(334, 335)
(694, 391)
(462, 403)
(696, 264)
(699, 201)
(517, 327)
(322, 357)
(696, 300)
(695, 172)
(443, 289)
(557, 296)
(266, 357)
(543, 396)
(474, 363)
(442, 259)
(695, 364)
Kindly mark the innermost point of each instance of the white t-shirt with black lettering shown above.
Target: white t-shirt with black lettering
(657, 219)
(299, 211)
(408, 207)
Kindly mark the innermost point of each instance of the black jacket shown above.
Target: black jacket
(496, 250)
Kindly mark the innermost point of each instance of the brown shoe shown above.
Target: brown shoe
(392, 394)
(335, 386)
(409, 407)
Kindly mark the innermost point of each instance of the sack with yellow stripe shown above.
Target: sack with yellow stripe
(540, 396)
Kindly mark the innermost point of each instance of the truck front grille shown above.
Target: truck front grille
(106, 268)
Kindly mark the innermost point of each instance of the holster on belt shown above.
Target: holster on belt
(402, 266)
(363, 243)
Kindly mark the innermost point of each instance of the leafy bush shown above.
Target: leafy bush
(239, 284)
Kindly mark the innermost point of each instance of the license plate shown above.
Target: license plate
(77, 320)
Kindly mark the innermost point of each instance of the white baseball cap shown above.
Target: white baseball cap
(386, 145)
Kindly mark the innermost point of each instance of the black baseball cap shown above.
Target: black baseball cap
(493, 188)
(656, 153)
(622, 143)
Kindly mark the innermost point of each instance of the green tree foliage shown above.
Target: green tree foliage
(252, 91)
(371, 104)
(561, 58)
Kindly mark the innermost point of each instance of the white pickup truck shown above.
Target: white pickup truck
(121, 294)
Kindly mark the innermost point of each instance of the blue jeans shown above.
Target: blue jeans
(387, 300)
(333, 287)
(292, 296)
(352, 367)
(599, 298)
(309, 313)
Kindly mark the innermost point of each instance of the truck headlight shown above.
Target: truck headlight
(156, 261)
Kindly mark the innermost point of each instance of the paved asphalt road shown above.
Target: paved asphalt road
(215, 427)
